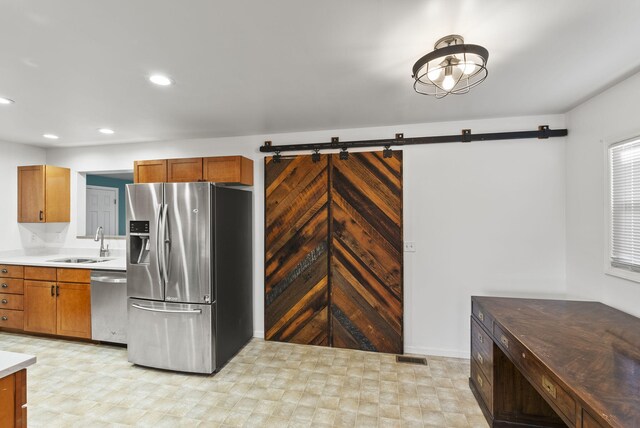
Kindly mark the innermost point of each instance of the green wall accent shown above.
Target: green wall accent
(95, 180)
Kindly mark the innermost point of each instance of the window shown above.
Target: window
(624, 212)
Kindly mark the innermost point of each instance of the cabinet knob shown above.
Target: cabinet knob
(5, 301)
(5, 318)
(5, 285)
(4, 271)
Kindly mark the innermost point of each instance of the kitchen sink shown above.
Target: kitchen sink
(79, 260)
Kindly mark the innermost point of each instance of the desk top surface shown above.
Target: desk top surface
(593, 348)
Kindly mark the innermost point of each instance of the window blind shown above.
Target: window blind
(624, 165)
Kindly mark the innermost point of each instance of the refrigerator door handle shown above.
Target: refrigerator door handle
(159, 253)
(171, 311)
(165, 241)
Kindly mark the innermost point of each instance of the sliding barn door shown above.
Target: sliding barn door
(296, 250)
(333, 251)
(366, 252)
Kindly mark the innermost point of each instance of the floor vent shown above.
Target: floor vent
(411, 360)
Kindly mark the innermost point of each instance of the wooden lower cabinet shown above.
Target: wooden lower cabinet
(13, 397)
(40, 307)
(73, 310)
(60, 308)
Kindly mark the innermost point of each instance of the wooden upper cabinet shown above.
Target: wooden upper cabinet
(228, 169)
(44, 194)
(185, 170)
(150, 171)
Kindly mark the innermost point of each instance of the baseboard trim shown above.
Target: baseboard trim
(259, 334)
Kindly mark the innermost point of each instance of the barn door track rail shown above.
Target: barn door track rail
(543, 132)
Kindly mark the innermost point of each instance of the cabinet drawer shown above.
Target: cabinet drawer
(74, 275)
(589, 421)
(11, 271)
(482, 349)
(40, 273)
(12, 286)
(481, 315)
(531, 368)
(11, 319)
(11, 301)
(482, 384)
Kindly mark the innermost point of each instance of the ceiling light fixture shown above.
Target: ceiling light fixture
(50, 136)
(106, 131)
(6, 101)
(452, 68)
(160, 80)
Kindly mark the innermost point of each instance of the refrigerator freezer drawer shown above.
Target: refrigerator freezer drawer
(172, 336)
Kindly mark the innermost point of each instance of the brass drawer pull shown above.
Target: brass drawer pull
(480, 358)
(480, 315)
(480, 381)
(480, 338)
(504, 341)
(549, 387)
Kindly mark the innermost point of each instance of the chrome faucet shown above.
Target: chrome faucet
(104, 252)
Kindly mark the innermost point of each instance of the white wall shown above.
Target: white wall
(13, 235)
(487, 218)
(609, 117)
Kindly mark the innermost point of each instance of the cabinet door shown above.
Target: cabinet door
(185, 170)
(150, 171)
(7, 401)
(74, 310)
(40, 307)
(228, 169)
(57, 194)
(31, 200)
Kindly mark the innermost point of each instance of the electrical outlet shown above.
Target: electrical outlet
(34, 238)
(409, 247)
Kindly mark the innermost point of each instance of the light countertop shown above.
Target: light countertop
(111, 263)
(11, 362)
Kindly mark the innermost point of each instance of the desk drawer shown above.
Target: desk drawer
(588, 421)
(482, 384)
(11, 286)
(11, 301)
(481, 315)
(482, 349)
(11, 271)
(533, 369)
(11, 319)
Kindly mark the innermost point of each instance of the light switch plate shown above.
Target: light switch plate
(409, 247)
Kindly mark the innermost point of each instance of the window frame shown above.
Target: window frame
(609, 269)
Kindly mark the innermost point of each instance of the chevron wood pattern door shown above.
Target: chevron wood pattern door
(333, 251)
(366, 303)
(296, 250)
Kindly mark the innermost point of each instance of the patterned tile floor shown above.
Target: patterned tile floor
(267, 384)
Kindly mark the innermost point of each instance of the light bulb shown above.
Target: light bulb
(448, 83)
(434, 74)
(467, 67)
(160, 80)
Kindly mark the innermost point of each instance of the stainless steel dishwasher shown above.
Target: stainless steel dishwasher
(109, 306)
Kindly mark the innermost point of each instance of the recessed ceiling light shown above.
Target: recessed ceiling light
(161, 80)
(106, 131)
(6, 101)
(50, 136)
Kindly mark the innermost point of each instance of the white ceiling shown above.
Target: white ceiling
(246, 67)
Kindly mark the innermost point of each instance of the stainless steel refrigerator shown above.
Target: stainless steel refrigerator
(189, 275)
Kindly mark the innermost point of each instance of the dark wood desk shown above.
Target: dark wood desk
(555, 363)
